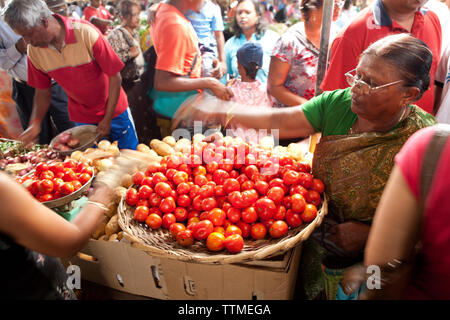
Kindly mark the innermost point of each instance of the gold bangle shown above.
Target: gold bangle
(98, 204)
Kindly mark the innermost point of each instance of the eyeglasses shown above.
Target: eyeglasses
(354, 80)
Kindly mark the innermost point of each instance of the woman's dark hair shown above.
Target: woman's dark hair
(124, 7)
(260, 27)
(347, 4)
(307, 5)
(411, 57)
(281, 15)
(252, 70)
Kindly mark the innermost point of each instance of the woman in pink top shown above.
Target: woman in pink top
(399, 223)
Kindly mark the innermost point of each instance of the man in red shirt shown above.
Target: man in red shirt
(97, 14)
(81, 61)
(385, 17)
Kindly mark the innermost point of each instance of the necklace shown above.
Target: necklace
(402, 117)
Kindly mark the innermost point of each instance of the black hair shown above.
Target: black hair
(124, 7)
(411, 57)
(281, 15)
(260, 27)
(307, 5)
(251, 70)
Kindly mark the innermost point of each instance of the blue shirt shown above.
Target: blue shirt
(206, 22)
(267, 41)
(11, 60)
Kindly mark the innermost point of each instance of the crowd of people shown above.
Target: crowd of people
(387, 79)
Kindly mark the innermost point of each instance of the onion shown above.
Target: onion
(104, 145)
(41, 153)
(23, 158)
(23, 172)
(33, 159)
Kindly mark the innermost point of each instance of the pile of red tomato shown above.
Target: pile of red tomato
(219, 193)
(55, 180)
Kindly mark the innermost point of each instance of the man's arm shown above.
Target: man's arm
(222, 66)
(41, 104)
(437, 98)
(104, 126)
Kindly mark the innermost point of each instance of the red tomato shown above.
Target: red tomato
(286, 161)
(143, 202)
(230, 185)
(209, 204)
(219, 229)
(202, 229)
(194, 191)
(200, 170)
(69, 175)
(183, 188)
(258, 231)
(46, 186)
(192, 222)
(185, 238)
(298, 203)
(267, 223)
(167, 205)
(249, 197)
(293, 219)
(173, 161)
(245, 228)
(168, 219)
(84, 178)
(45, 197)
(212, 166)
(180, 177)
(156, 211)
(88, 170)
(159, 177)
(185, 168)
(278, 229)
(217, 216)
(220, 176)
(147, 181)
(192, 214)
(152, 168)
(232, 229)
(242, 178)
(313, 197)
(309, 214)
(144, 192)
(33, 188)
(226, 165)
(170, 173)
(41, 167)
(184, 201)
(137, 178)
(66, 188)
(181, 214)
(234, 214)
(247, 185)
(262, 187)
(249, 215)
(219, 191)
(276, 194)
(250, 171)
(301, 167)
(69, 163)
(153, 220)
(154, 199)
(290, 177)
(206, 191)
(298, 189)
(265, 208)
(47, 175)
(163, 189)
(305, 179)
(280, 214)
(236, 199)
(76, 184)
(200, 180)
(175, 228)
(318, 186)
(277, 182)
(287, 202)
(234, 243)
(59, 167)
(131, 197)
(215, 241)
(141, 213)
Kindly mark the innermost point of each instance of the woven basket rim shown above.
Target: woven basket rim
(269, 247)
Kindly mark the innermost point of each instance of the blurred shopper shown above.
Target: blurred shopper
(384, 17)
(80, 59)
(97, 14)
(293, 67)
(13, 58)
(247, 27)
(348, 13)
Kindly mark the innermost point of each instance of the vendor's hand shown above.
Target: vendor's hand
(231, 82)
(102, 193)
(134, 51)
(219, 69)
(104, 127)
(350, 236)
(220, 90)
(31, 133)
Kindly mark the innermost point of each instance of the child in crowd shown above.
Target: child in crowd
(247, 90)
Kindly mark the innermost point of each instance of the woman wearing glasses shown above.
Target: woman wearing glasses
(362, 127)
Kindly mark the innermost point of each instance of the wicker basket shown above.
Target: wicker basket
(159, 242)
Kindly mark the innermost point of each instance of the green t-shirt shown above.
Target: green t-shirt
(330, 113)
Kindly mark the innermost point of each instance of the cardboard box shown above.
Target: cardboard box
(120, 266)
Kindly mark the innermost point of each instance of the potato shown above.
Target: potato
(100, 231)
(112, 209)
(76, 155)
(112, 226)
(103, 237)
(104, 145)
(161, 148)
(169, 140)
(295, 151)
(126, 180)
(183, 145)
(113, 237)
(120, 235)
(143, 148)
(198, 137)
(267, 143)
(119, 192)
